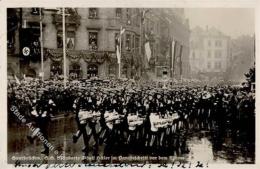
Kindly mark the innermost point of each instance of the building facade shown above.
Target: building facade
(242, 57)
(167, 26)
(209, 53)
(91, 35)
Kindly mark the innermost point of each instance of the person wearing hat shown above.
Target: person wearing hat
(120, 124)
(83, 107)
(154, 118)
(95, 121)
(161, 109)
(110, 116)
(131, 122)
(41, 111)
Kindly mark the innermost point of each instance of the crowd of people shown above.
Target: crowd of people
(131, 117)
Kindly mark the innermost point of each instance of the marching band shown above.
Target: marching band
(141, 119)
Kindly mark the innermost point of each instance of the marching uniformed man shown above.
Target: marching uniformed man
(42, 111)
(84, 113)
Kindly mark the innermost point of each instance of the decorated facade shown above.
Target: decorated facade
(91, 35)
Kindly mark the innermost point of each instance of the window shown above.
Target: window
(128, 16)
(218, 54)
(209, 54)
(217, 65)
(209, 65)
(93, 41)
(218, 43)
(92, 70)
(12, 24)
(70, 40)
(193, 55)
(35, 11)
(112, 69)
(119, 12)
(55, 69)
(10, 39)
(93, 13)
(59, 40)
(128, 42)
(75, 71)
(209, 43)
(137, 19)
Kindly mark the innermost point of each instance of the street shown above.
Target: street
(197, 147)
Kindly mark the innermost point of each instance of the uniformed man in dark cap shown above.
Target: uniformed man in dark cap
(42, 111)
(83, 106)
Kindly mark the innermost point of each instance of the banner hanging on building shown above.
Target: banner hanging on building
(172, 55)
(180, 62)
(118, 54)
(148, 52)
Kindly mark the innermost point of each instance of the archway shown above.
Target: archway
(92, 70)
(75, 71)
(56, 69)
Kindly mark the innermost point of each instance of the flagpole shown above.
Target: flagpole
(42, 74)
(119, 63)
(141, 41)
(172, 55)
(64, 47)
(181, 62)
(174, 58)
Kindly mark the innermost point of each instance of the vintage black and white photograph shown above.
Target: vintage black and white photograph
(131, 85)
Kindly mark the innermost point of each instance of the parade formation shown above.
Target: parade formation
(131, 82)
(129, 117)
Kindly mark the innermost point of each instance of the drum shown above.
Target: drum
(84, 116)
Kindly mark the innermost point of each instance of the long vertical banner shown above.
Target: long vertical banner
(172, 57)
(180, 56)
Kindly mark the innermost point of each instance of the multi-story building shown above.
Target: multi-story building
(91, 37)
(209, 53)
(242, 57)
(167, 25)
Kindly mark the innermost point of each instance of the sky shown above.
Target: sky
(231, 21)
